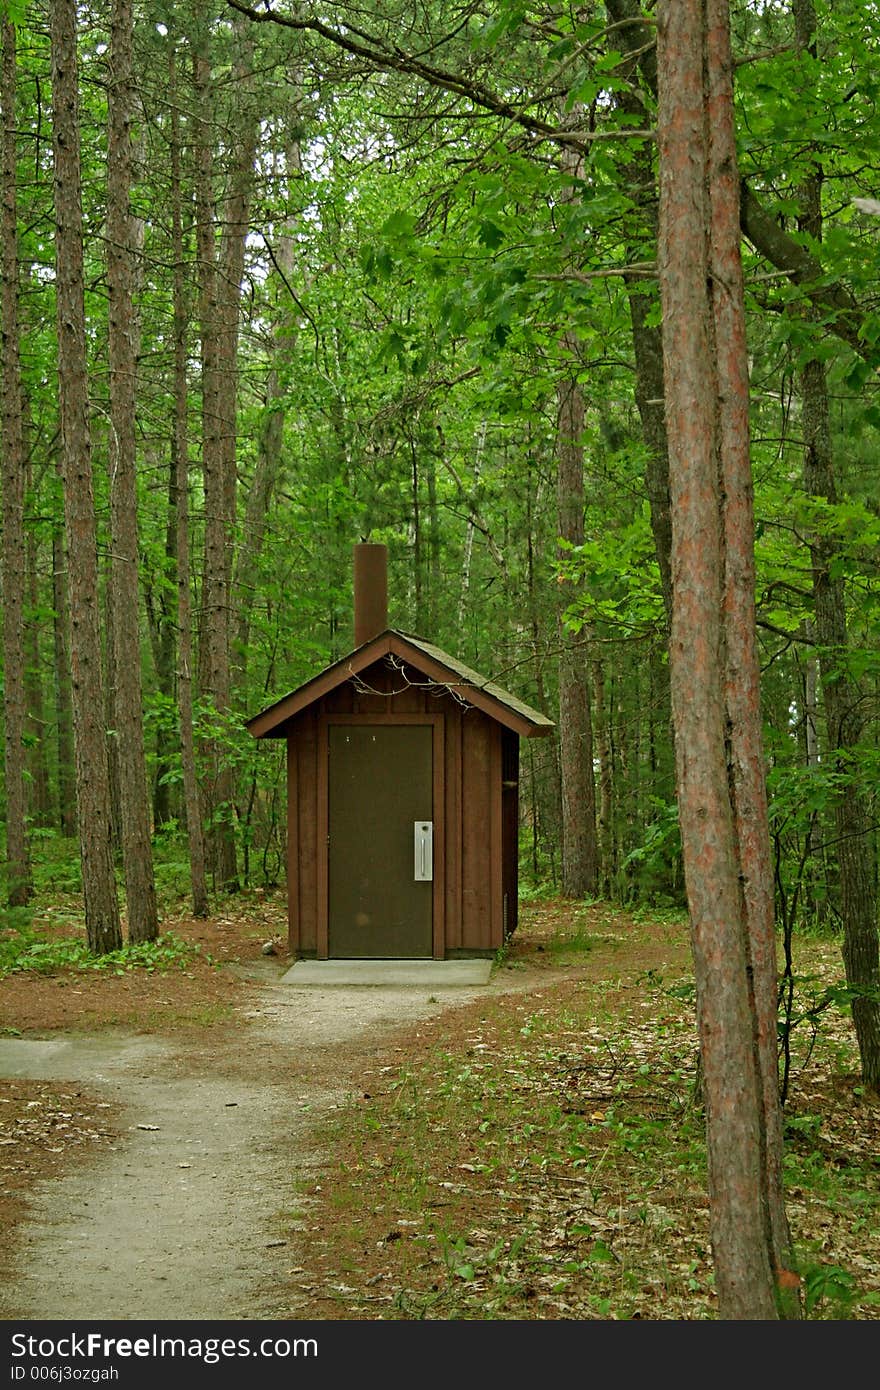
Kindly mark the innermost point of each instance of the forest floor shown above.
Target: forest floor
(206, 1142)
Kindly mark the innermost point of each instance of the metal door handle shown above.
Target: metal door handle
(424, 850)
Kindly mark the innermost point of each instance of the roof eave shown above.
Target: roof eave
(270, 722)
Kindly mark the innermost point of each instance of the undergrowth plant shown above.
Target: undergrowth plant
(22, 950)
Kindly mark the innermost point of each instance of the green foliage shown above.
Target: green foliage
(653, 869)
(56, 867)
(617, 581)
(815, 995)
(447, 272)
(829, 1291)
(537, 868)
(22, 950)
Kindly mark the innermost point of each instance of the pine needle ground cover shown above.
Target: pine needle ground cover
(536, 1154)
(543, 1157)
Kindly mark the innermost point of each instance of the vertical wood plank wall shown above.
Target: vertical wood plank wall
(475, 829)
(453, 815)
(480, 831)
(510, 826)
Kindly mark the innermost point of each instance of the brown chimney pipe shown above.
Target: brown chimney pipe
(370, 591)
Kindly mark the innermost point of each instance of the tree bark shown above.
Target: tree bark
(742, 675)
(19, 885)
(579, 852)
(271, 440)
(63, 706)
(41, 802)
(705, 415)
(180, 469)
(259, 499)
(161, 608)
(220, 295)
(93, 790)
(109, 728)
(213, 616)
(467, 558)
(650, 395)
(137, 861)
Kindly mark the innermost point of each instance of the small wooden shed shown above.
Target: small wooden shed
(402, 795)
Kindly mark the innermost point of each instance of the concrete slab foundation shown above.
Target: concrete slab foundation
(433, 974)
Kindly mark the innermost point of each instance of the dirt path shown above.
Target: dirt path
(188, 1212)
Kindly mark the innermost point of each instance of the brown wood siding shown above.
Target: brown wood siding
(294, 906)
(308, 820)
(384, 689)
(302, 833)
(476, 833)
(380, 689)
(440, 835)
(510, 826)
(496, 919)
(340, 701)
(409, 701)
(453, 827)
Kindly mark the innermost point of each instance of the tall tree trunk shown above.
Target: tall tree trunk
(649, 391)
(579, 855)
(63, 705)
(467, 559)
(842, 698)
(221, 277)
(180, 468)
(416, 532)
(259, 500)
(647, 336)
(214, 614)
(714, 674)
(137, 859)
(42, 809)
(742, 672)
(269, 455)
(161, 608)
(41, 802)
(93, 790)
(18, 869)
(434, 557)
(813, 853)
(605, 820)
(843, 702)
(546, 789)
(111, 738)
(232, 252)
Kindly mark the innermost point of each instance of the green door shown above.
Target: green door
(380, 813)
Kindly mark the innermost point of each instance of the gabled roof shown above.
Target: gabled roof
(440, 668)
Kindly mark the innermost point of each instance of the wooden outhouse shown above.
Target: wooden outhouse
(402, 795)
